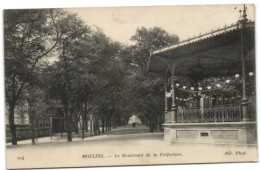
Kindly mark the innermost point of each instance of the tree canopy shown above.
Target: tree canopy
(56, 63)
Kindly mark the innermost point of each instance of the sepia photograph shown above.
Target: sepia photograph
(129, 85)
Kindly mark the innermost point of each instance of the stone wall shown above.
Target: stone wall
(222, 133)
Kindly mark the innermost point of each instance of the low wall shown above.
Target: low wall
(221, 133)
(25, 132)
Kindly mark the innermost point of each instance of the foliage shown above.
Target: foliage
(146, 89)
(90, 68)
(29, 36)
(150, 39)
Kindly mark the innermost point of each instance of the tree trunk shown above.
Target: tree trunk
(61, 134)
(86, 117)
(67, 114)
(152, 126)
(76, 126)
(95, 128)
(103, 124)
(82, 125)
(86, 123)
(67, 87)
(110, 125)
(33, 133)
(69, 127)
(32, 119)
(12, 125)
(91, 127)
(36, 134)
(98, 128)
(106, 126)
(76, 129)
(76, 118)
(51, 127)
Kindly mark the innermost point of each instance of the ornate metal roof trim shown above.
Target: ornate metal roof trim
(211, 34)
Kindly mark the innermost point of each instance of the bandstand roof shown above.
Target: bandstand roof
(212, 54)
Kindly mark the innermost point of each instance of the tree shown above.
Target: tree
(71, 50)
(29, 36)
(109, 77)
(146, 89)
(150, 39)
(36, 109)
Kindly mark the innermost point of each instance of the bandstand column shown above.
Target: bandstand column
(165, 90)
(244, 102)
(173, 106)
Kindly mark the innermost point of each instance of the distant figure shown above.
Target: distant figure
(134, 120)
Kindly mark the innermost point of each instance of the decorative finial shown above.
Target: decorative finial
(242, 20)
(244, 14)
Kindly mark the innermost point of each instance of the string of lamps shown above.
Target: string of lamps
(199, 89)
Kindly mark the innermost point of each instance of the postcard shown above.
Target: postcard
(120, 86)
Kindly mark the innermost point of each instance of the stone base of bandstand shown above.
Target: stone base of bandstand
(215, 133)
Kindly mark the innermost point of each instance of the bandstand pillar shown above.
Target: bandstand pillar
(173, 106)
(165, 98)
(244, 102)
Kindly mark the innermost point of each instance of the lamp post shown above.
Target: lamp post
(83, 118)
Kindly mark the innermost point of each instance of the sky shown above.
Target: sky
(120, 23)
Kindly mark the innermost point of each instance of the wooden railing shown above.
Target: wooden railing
(230, 113)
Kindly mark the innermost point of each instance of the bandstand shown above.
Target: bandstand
(210, 97)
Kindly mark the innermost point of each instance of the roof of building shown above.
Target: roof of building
(215, 51)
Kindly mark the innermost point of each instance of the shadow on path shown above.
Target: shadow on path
(118, 135)
(128, 129)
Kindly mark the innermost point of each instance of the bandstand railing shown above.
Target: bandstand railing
(222, 113)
